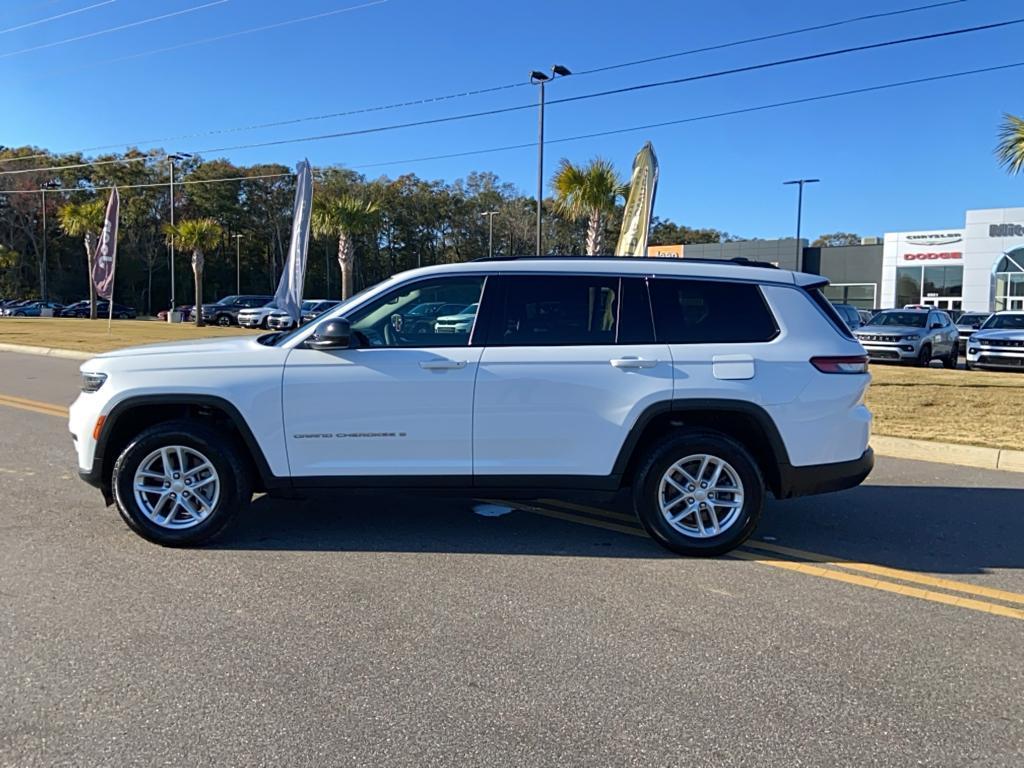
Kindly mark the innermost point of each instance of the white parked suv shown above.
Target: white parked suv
(698, 385)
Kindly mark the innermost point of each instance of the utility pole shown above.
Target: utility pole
(540, 78)
(170, 162)
(43, 291)
(238, 262)
(490, 231)
(799, 214)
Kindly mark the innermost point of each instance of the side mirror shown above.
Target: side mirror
(334, 334)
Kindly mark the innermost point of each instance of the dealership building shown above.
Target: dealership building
(978, 266)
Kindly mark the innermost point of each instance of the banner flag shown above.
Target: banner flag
(636, 219)
(106, 250)
(288, 297)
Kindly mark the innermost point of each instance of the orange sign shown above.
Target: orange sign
(665, 251)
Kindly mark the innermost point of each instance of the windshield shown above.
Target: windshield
(972, 319)
(228, 300)
(308, 305)
(283, 337)
(912, 319)
(1014, 322)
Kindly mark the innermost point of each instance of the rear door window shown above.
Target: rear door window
(556, 310)
(710, 312)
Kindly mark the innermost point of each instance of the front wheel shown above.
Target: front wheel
(223, 320)
(924, 357)
(699, 493)
(180, 483)
(952, 359)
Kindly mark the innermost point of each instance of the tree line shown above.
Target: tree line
(364, 229)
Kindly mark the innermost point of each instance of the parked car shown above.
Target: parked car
(915, 336)
(460, 322)
(597, 374)
(968, 323)
(850, 315)
(11, 306)
(81, 309)
(184, 309)
(256, 317)
(35, 309)
(225, 312)
(865, 315)
(999, 343)
(310, 308)
(420, 318)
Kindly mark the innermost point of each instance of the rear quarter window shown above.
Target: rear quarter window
(710, 312)
(830, 311)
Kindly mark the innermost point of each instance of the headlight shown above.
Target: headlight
(92, 381)
(912, 337)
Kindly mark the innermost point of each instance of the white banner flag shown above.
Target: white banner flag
(636, 219)
(289, 291)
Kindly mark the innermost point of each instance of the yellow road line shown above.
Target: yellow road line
(891, 573)
(33, 405)
(884, 586)
(591, 510)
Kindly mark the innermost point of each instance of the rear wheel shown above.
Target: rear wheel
(180, 483)
(924, 357)
(699, 493)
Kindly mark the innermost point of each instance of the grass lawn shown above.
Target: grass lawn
(92, 336)
(972, 407)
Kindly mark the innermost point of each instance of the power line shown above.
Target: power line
(467, 93)
(597, 134)
(217, 38)
(144, 186)
(565, 100)
(37, 22)
(100, 32)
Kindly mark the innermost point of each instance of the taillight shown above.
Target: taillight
(847, 364)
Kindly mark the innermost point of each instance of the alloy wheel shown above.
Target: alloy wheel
(176, 487)
(701, 496)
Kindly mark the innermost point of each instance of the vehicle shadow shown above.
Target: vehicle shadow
(931, 529)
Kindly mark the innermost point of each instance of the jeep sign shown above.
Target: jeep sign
(1006, 230)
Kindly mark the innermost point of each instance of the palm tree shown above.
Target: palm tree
(589, 192)
(85, 220)
(343, 217)
(1010, 149)
(196, 235)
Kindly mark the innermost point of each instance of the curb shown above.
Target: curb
(895, 447)
(949, 453)
(70, 354)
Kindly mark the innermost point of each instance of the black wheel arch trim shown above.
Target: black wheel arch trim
(268, 478)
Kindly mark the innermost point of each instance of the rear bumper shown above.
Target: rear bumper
(824, 478)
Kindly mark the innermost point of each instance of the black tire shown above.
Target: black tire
(264, 325)
(970, 366)
(217, 447)
(656, 463)
(952, 359)
(223, 320)
(121, 316)
(924, 357)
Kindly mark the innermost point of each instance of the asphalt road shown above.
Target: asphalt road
(412, 631)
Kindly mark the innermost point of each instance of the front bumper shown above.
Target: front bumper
(249, 322)
(824, 478)
(899, 351)
(994, 357)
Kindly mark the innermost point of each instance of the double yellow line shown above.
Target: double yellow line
(879, 577)
(24, 404)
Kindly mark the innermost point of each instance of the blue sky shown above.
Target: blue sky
(906, 158)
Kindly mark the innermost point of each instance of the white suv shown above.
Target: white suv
(699, 385)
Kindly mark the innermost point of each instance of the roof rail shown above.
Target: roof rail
(737, 260)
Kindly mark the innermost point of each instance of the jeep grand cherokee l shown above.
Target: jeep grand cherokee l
(700, 386)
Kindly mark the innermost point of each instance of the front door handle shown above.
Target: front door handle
(442, 365)
(632, 362)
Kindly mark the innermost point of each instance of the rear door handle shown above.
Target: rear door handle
(442, 365)
(632, 362)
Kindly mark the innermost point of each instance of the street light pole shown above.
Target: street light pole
(540, 78)
(490, 231)
(238, 262)
(799, 212)
(170, 162)
(43, 292)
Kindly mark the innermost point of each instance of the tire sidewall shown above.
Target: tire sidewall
(663, 456)
(924, 357)
(234, 489)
